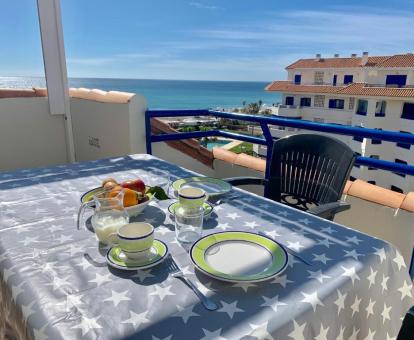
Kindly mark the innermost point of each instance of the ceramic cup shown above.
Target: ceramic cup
(135, 239)
(190, 197)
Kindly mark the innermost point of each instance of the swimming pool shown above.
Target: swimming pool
(215, 144)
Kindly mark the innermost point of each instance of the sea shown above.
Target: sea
(171, 94)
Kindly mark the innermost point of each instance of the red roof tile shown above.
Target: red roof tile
(399, 60)
(355, 89)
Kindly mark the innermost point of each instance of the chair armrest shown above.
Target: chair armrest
(236, 181)
(328, 210)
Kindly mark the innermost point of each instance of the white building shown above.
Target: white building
(373, 92)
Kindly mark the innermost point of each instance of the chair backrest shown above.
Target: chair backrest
(308, 169)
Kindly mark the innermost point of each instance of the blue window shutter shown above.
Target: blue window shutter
(335, 79)
(349, 78)
(397, 80)
(298, 78)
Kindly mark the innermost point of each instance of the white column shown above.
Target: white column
(55, 66)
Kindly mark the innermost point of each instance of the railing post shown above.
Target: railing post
(269, 144)
(148, 131)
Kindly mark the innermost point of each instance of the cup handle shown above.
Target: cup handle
(113, 239)
(81, 210)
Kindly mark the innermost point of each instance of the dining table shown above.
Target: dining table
(353, 286)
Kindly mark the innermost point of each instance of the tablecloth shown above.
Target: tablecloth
(357, 287)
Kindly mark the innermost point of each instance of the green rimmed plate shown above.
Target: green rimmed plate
(238, 256)
(117, 259)
(212, 186)
(208, 208)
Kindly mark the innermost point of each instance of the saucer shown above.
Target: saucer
(116, 257)
(208, 208)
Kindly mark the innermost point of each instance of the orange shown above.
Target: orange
(130, 197)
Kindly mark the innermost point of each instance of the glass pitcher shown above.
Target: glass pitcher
(109, 214)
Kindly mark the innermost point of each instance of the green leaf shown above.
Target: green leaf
(158, 193)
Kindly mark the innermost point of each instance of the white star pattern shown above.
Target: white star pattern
(405, 290)
(136, 319)
(296, 246)
(352, 254)
(318, 275)
(328, 230)
(282, 280)
(117, 298)
(101, 279)
(244, 285)
(341, 334)
(391, 337)
(323, 333)
(162, 292)
(399, 260)
(384, 283)
(86, 324)
(386, 313)
(351, 273)
(27, 310)
(340, 301)
(223, 226)
(371, 277)
(233, 216)
(370, 308)
(354, 334)
(251, 225)
(324, 242)
(312, 299)
(260, 332)
(298, 331)
(370, 335)
(39, 334)
(355, 305)
(272, 234)
(381, 253)
(185, 313)
(273, 303)
(141, 275)
(213, 335)
(321, 258)
(230, 308)
(354, 240)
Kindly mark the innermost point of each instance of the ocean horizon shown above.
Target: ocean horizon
(173, 94)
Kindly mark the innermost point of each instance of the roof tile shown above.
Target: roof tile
(398, 60)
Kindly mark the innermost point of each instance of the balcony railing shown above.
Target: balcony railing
(264, 121)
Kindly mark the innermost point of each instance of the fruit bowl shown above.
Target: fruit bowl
(131, 210)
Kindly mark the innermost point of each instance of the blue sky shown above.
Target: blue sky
(203, 39)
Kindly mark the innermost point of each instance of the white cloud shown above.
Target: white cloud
(203, 6)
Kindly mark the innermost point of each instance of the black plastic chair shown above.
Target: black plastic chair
(307, 172)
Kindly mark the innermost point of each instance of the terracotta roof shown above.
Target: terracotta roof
(80, 93)
(190, 147)
(288, 86)
(355, 89)
(240, 159)
(398, 60)
(357, 188)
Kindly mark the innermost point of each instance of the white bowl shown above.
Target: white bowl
(135, 210)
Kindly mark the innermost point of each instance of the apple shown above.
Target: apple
(137, 185)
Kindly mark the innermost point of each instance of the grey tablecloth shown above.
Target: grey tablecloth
(358, 287)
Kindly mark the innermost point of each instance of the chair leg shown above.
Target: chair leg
(412, 266)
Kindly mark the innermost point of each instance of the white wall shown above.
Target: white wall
(163, 151)
(104, 130)
(29, 135)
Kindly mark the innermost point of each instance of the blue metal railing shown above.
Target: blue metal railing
(265, 121)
